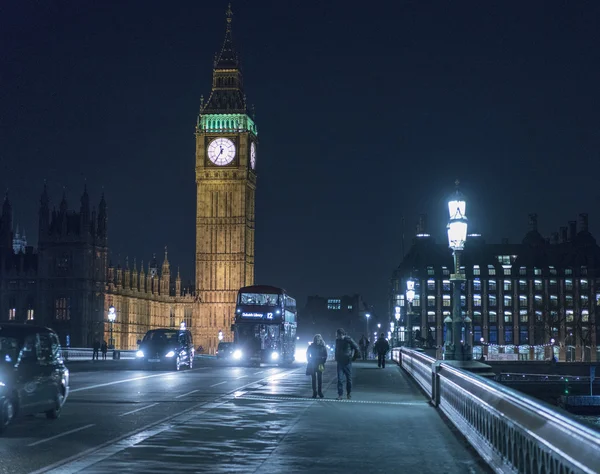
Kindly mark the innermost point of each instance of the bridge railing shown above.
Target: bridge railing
(511, 431)
(84, 353)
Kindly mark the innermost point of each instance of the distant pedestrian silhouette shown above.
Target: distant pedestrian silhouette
(104, 349)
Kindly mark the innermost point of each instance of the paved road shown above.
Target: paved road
(217, 418)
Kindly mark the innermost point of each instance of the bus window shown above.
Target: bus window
(259, 299)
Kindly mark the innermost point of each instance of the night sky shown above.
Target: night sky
(367, 112)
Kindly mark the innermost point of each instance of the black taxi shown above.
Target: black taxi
(167, 347)
(33, 376)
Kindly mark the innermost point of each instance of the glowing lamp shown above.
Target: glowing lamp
(112, 314)
(410, 290)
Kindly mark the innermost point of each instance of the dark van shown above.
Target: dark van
(171, 348)
(225, 350)
(33, 376)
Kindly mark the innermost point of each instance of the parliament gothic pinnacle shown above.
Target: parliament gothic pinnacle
(69, 285)
(226, 152)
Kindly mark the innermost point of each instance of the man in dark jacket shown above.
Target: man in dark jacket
(346, 350)
(382, 347)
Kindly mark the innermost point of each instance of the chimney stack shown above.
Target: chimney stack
(572, 230)
(583, 222)
(563, 234)
(533, 222)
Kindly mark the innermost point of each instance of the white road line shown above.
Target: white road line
(79, 462)
(186, 394)
(61, 435)
(139, 409)
(259, 372)
(107, 384)
(237, 378)
(220, 383)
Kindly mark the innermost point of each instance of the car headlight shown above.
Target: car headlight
(237, 354)
(170, 354)
(139, 354)
(274, 355)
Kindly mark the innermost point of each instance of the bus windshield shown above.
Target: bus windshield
(259, 299)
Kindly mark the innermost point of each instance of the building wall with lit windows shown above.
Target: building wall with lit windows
(520, 297)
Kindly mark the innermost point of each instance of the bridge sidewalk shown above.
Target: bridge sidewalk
(387, 426)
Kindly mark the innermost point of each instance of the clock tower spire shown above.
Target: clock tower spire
(226, 145)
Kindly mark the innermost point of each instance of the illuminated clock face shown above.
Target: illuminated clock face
(252, 155)
(221, 151)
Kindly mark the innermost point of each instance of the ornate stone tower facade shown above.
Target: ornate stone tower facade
(226, 149)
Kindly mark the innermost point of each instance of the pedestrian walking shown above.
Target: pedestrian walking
(316, 356)
(104, 349)
(364, 347)
(346, 350)
(382, 347)
(96, 349)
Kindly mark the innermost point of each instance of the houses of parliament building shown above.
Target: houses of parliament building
(67, 283)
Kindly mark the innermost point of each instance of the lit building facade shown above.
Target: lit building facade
(527, 301)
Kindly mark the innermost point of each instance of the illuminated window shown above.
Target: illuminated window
(431, 285)
(446, 300)
(476, 270)
(504, 259)
(507, 269)
(12, 314)
(493, 317)
(463, 301)
(538, 316)
(523, 316)
(523, 301)
(552, 270)
(445, 271)
(430, 271)
(508, 316)
(446, 285)
(538, 285)
(29, 315)
(568, 271)
(584, 284)
(477, 316)
(431, 301)
(491, 270)
(507, 300)
(334, 304)
(492, 300)
(522, 285)
(349, 307)
(62, 309)
(585, 316)
(537, 271)
(476, 300)
(507, 285)
(477, 285)
(569, 313)
(187, 316)
(492, 286)
(569, 301)
(522, 271)
(569, 285)
(417, 301)
(431, 316)
(585, 301)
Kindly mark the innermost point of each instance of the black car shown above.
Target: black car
(170, 348)
(33, 376)
(225, 350)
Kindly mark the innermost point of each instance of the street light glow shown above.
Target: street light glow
(112, 314)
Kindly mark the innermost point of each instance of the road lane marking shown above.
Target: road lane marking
(107, 384)
(139, 409)
(259, 372)
(61, 435)
(220, 383)
(79, 462)
(237, 378)
(186, 394)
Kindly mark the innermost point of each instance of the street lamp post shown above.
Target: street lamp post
(112, 315)
(220, 335)
(397, 316)
(410, 296)
(367, 316)
(457, 347)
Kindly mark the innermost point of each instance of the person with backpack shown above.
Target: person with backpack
(316, 356)
(382, 347)
(346, 350)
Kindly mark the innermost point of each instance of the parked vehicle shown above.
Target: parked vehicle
(33, 376)
(171, 348)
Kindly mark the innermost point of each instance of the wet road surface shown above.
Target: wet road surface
(218, 418)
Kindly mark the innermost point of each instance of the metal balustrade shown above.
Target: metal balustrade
(513, 433)
(84, 353)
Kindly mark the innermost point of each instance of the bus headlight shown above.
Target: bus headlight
(139, 354)
(170, 354)
(274, 356)
(237, 354)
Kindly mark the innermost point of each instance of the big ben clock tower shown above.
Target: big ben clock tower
(226, 150)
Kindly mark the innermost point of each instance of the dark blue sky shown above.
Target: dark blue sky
(366, 112)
